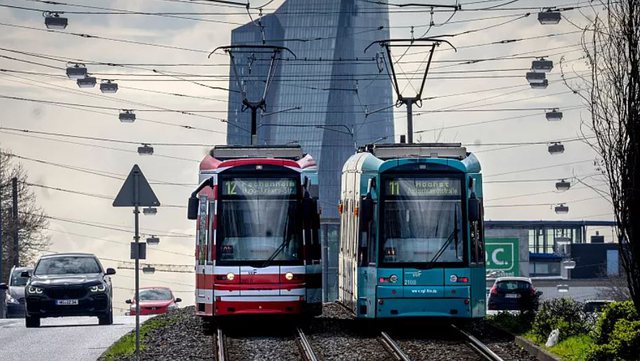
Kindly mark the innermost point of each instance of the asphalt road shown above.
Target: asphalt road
(64, 339)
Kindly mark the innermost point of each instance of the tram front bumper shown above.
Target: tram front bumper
(423, 307)
(240, 305)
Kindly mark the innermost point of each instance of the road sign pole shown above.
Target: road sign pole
(136, 212)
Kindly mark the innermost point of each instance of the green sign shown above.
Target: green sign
(259, 187)
(423, 187)
(502, 256)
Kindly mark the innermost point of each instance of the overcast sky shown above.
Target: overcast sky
(506, 112)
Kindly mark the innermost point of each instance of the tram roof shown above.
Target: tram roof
(228, 152)
(404, 150)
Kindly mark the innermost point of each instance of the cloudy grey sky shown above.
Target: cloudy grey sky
(503, 119)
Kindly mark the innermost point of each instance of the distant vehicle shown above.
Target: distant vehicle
(153, 301)
(595, 306)
(513, 293)
(15, 292)
(69, 284)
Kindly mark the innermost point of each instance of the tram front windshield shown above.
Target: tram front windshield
(259, 220)
(422, 221)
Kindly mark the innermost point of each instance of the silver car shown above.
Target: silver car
(15, 293)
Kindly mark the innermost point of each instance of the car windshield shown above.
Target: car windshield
(17, 280)
(422, 220)
(157, 294)
(67, 265)
(513, 285)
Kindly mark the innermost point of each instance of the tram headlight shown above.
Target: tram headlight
(288, 276)
(453, 278)
(393, 278)
(230, 276)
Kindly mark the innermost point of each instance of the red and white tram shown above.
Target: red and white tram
(257, 245)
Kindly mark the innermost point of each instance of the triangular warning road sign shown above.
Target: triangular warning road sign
(129, 197)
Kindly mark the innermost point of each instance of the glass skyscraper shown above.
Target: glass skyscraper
(321, 97)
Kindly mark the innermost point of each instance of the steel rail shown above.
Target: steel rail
(478, 346)
(307, 351)
(220, 350)
(393, 347)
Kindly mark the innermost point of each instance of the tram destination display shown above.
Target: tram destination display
(423, 187)
(259, 187)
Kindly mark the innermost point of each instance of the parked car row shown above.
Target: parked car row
(73, 284)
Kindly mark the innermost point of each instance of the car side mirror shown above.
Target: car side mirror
(539, 293)
(3, 286)
(127, 301)
(178, 299)
(110, 271)
(25, 274)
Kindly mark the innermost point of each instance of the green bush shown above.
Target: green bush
(624, 343)
(514, 323)
(610, 315)
(564, 314)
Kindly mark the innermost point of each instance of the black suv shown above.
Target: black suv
(69, 284)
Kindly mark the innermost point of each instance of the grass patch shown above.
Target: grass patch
(516, 323)
(574, 348)
(126, 345)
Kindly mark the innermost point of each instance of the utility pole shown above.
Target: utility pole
(14, 214)
(1, 241)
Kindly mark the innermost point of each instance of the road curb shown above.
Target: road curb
(540, 353)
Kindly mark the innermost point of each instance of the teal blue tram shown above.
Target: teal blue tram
(411, 233)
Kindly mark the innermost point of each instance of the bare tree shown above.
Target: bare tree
(611, 91)
(32, 221)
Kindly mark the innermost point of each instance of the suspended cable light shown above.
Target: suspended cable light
(52, 20)
(148, 270)
(561, 209)
(562, 288)
(153, 240)
(542, 85)
(556, 148)
(146, 149)
(86, 82)
(77, 71)
(533, 77)
(107, 86)
(569, 264)
(127, 116)
(549, 16)
(542, 65)
(562, 240)
(563, 185)
(554, 114)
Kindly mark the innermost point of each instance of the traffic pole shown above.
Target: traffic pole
(136, 237)
(14, 213)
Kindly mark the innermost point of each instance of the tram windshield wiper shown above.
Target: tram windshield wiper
(285, 243)
(452, 237)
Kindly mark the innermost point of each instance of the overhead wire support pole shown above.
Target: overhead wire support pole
(388, 62)
(14, 216)
(261, 103)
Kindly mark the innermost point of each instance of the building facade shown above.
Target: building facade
(322, 91)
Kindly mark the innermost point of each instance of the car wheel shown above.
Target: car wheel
(107, 318)
(32, 321)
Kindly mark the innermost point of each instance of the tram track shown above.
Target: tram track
(480, 348)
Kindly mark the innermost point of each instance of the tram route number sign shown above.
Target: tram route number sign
(259, 187)
(423, 187)
(502, 256)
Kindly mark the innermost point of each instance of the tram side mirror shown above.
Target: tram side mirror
(366, 211)
(371, 185)
(474, 208)
(192, 210)
(310, 212)
(3, 286)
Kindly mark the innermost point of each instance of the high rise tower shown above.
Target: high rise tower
(321, 99)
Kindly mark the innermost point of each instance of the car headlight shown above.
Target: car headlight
(34, 290)
(98, 288)
(10, 299)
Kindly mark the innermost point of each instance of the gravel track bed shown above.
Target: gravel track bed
(335, 336)
(255, 348)
(437, 349)
(500, 342)
(180, 338)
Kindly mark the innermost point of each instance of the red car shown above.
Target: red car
(153, 301)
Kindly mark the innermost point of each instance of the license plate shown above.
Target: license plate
(512, 295)
(66, 302)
